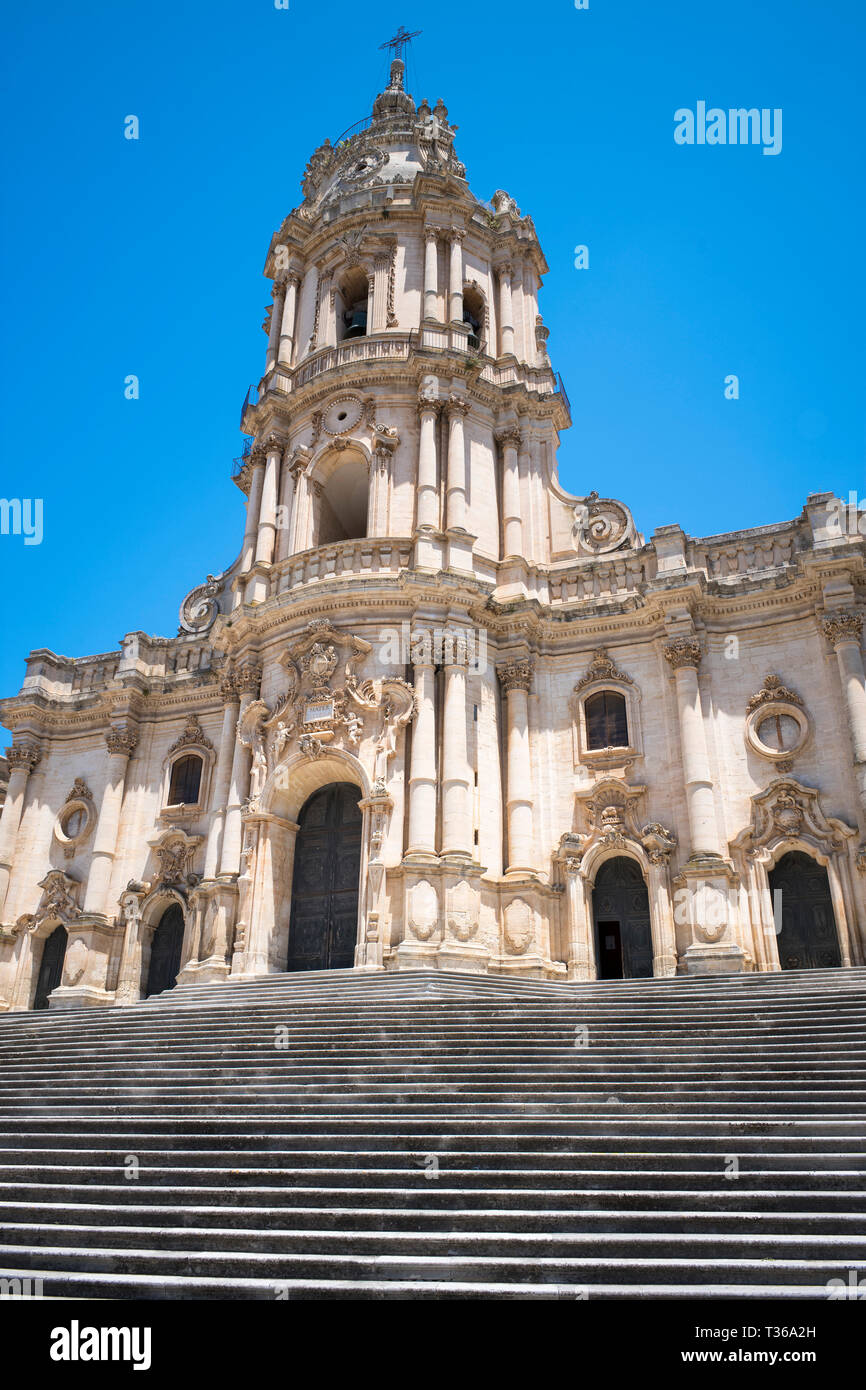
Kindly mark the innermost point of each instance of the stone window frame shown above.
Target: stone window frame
(72, 843)
(184, 810)
(766, 710)
(606, 757)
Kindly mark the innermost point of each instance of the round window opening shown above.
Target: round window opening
(779, 732)
(342, 415)
(73, 822)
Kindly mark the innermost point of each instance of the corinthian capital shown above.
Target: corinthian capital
(248, 677)
(843, 627)
(121, 741)
(458, 405)
(683, 651)
(516, 675)
(24, 755)
(509, 437)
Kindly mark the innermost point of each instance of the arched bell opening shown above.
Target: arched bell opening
(50, 966)
(621, 921)
(353, 293)
(809, 938)
(474, 315)
(325, 882)
(344, 503)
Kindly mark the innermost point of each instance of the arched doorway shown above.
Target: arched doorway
(621, 918)
(165, 951)
(51, 966)
(808, 939)
(324, 921)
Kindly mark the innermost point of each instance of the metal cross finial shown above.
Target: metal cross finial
(400, 40)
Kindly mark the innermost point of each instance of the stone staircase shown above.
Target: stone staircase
(419, 1135)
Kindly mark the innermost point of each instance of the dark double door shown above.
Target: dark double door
(165, 951)
(808, 939)
(621, 914)
(50, 967)
(324, 921)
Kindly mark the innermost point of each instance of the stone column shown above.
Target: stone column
(222, 776)
(279, 296)
(456, 802)
(247, 679)
(431, 272)
(684, 656)
(287, 320)
(23, 757)
(516, 678)
(581, 947)
(422, 771)
(664, 936)
(381, 272)
(121, 742)
(254, 502)
(267, 531)
(455, 508)
(128, 988)
(843, 631)
(455, 294)
(512, 524)
(428, 485)
(506, 313)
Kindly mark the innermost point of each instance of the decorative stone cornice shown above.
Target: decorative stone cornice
(193, 734)
(24, 755)
(843, 627)
(773, 692)
(683, 652)
(659, 842)
(516, 675)
(79, 791)
(602, 668)
(121, 741)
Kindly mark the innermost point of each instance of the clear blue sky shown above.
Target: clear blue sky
(146, 258)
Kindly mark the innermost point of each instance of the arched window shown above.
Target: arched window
(343, 504)
(473, 315)
(606, 720)
(351, 305)
(185, 781)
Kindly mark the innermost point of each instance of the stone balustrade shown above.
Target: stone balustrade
(614, 579)
(342, 560)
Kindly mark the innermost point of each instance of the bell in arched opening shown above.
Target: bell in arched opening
(355, 320)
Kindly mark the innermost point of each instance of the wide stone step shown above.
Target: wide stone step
(89, 1285)
(583, 1270)
(480, 1160)
(385, 1176)
(443, 1196)
(507, 1245)
(50, 1139)
(419, 1219)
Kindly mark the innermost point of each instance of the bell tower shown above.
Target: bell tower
(407, 392)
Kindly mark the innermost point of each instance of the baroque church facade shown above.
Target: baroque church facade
(439, 712)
